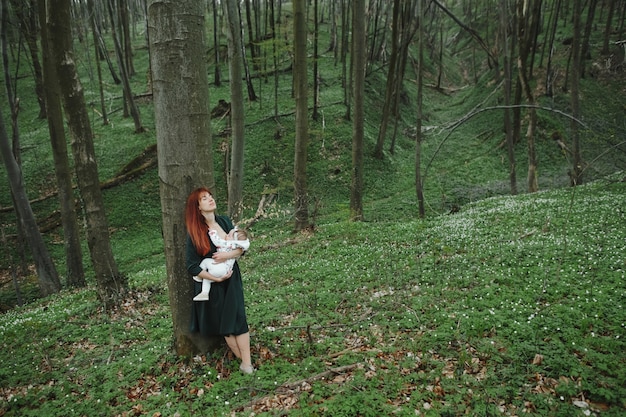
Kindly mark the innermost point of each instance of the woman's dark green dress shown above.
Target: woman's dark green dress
(224, 314)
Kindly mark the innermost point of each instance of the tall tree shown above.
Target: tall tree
(359, 52)
(528, 15)
(235, 60)
(26, 13)
(122, 64)
(95, 36)
(508, 80)
(607, 27)
(75, 274)
(184, 143)
(217, 80)
(46, 272)
(391, 80)
(302, 121)
(585, 54)
(576, 175)
(111, 285)
(419, 183)
(316, 80)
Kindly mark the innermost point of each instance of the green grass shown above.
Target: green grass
(512, 304)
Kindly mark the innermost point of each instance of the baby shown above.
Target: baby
(237, 238)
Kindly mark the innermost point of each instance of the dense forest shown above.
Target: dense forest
(435, 191)
(527, 64)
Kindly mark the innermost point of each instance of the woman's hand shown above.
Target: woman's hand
(224, 256)
(205, 275)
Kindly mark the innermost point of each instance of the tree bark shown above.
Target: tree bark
(359, 52)
(391, 82)
(419, 185)
(235, 60)
(124, 72)
(111, 285)
(576, 176)
(184, 143)
(26, 13)
(47, 275)
(526, 32)
(217, 80)
(508, 78)
(69, 219)
(302, 122)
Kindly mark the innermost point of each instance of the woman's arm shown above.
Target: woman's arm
(205, 275)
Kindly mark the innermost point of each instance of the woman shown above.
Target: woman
(224, 313)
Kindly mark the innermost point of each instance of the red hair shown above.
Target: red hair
(195, 223)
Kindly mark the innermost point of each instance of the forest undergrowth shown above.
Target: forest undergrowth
(512, 306)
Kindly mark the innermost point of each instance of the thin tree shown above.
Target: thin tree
(47, 275)
(576, 175)
(391, 80)
(26, 13)
(316, 80)
(217, 75)
(527, 14)
(184, 143)
(585, 54)
(302, 122)
(75, 274)
(111, 285)
(359, 53)
(95, 35)
(235, 59)
(607, 27)
(419, 184)
(126, 41)
(508, 79)
(122, 65)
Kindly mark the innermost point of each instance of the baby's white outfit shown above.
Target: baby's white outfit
(219, 269)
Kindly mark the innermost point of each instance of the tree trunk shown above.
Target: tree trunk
(235, 59)
(25, 11)
(577, 168)
(584, 53)
(128, 93)
(508, 79)
(526, 32)
(69, 219)
(316, 81)
(126, 41)
(46, 272)
(302, 122)
(607, 28)
(359, 52)
(111, 284)
(184, 143)
(391, 84)
(419, 186)
(217, 80)
(550, 76)
(94, 34)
